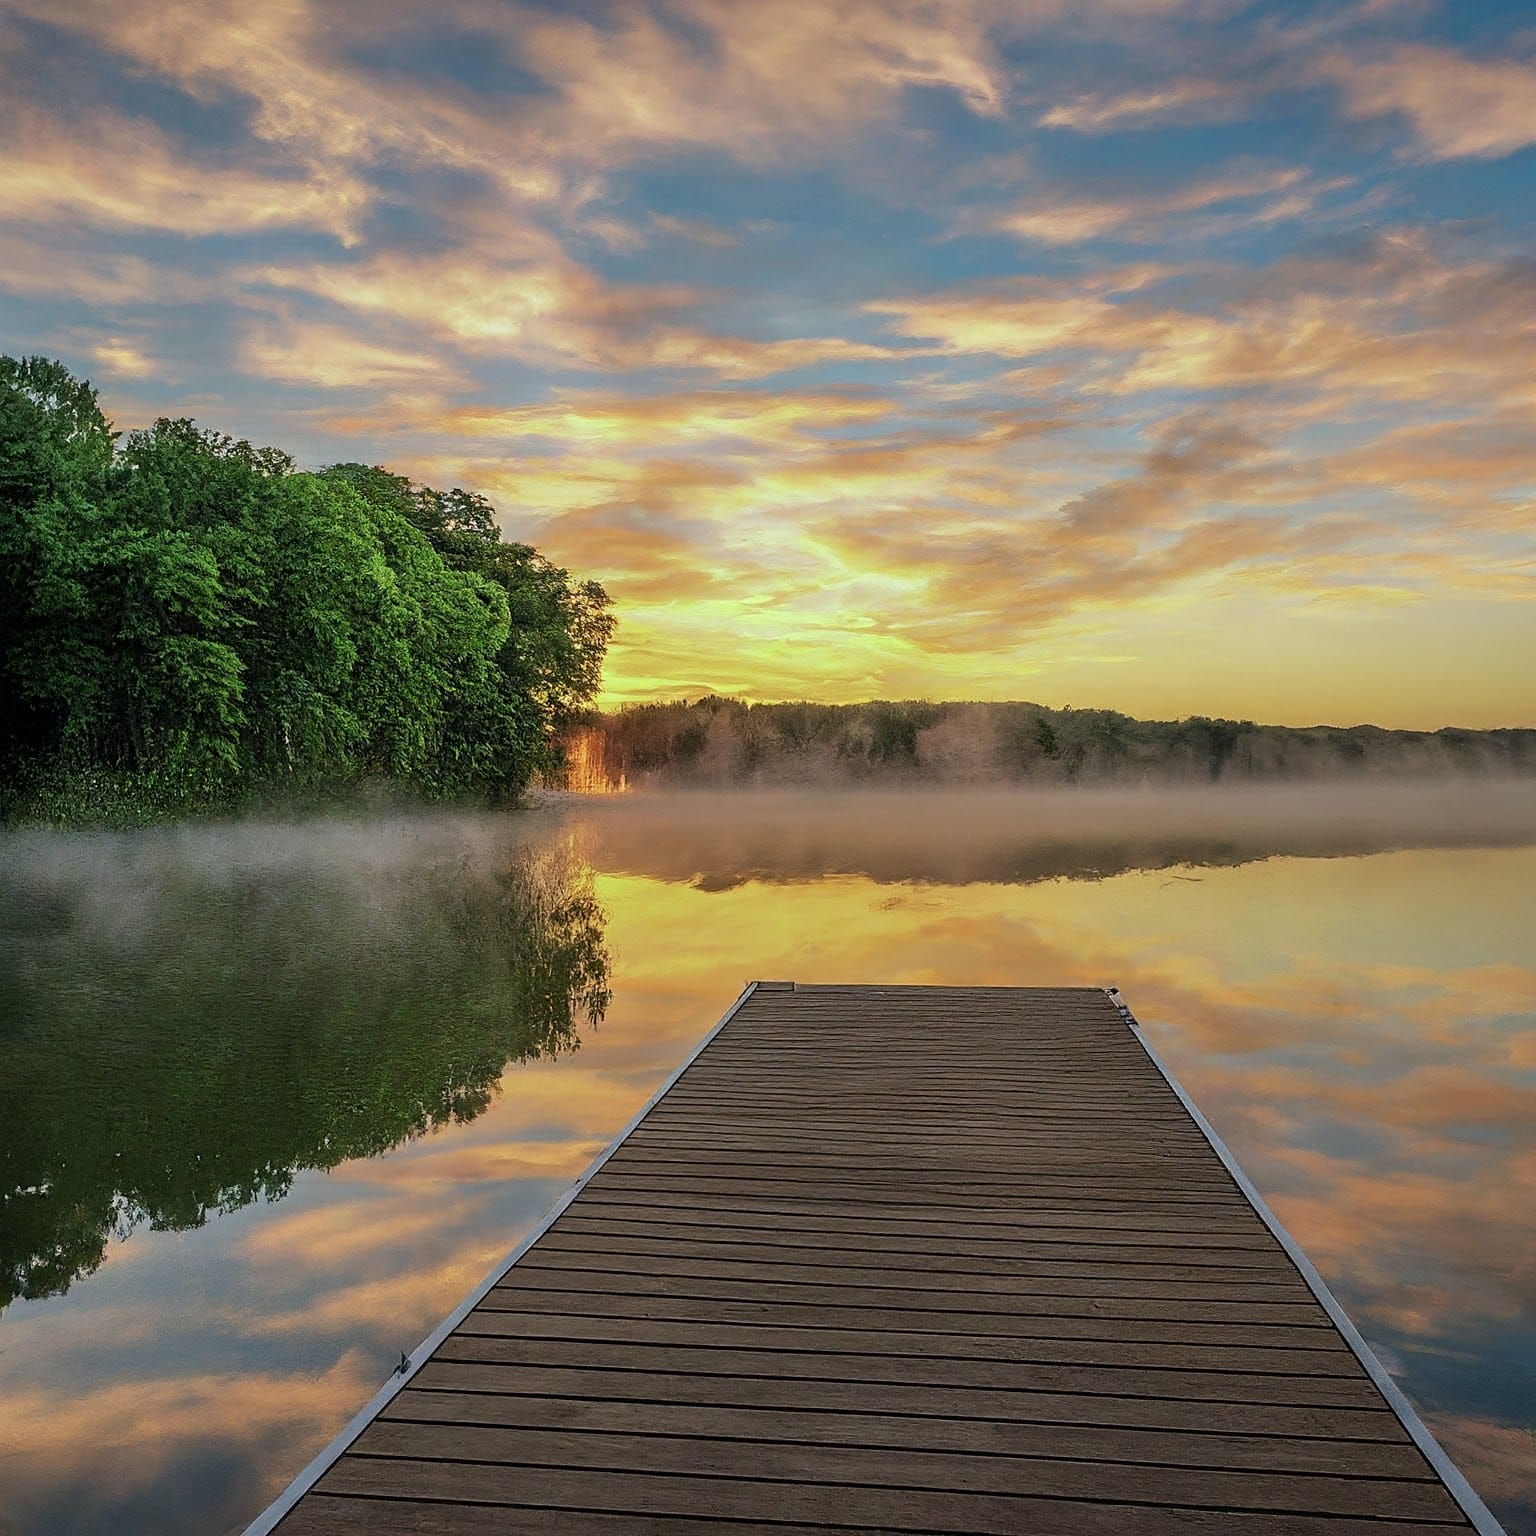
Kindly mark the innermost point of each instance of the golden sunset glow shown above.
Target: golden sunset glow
(1354, 1050)
(1163, 356)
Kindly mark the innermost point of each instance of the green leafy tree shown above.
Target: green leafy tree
(190, 622)
(55, 456)
(551, 657)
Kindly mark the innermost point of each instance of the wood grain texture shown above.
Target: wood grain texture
(898, 1259)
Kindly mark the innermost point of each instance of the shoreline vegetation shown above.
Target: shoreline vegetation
(193, 625)
(717, 743)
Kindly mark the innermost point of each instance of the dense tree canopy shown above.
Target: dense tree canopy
(189, 620)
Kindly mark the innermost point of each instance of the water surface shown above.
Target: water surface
(275, 1097)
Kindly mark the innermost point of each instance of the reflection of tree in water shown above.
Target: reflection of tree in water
(163, 1064)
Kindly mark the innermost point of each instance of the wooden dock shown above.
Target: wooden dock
(899, 1259)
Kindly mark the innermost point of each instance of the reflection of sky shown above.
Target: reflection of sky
(1362, 1030)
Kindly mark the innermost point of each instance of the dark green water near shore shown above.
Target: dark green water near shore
(275, 1096)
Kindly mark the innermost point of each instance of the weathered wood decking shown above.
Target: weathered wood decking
(901, 1259)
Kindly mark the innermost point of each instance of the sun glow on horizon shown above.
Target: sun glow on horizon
(1162, 358)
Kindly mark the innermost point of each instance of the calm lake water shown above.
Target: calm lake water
(273, 1098)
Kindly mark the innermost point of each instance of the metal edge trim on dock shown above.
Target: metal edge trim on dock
(1451, 1475)
(270, 1517)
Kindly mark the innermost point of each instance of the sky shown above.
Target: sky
(1173, 356)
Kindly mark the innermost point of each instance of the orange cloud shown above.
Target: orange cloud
(124, 173)
(927, 512)
(537, 304)
(330, 116)
(691, 418)
(525, 294)
(298, 351)
(1070, 219)
(1184, 100)
(769, 81)
(1396, 321)
(125, 357)
(1459, 107)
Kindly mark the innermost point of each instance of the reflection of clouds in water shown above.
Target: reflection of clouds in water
(1503, 1455)
(1392, 1134)
(184, 1452)
(300, 1314)
(329, 1237)
(350, 1267)
(1379, 1103)
(1359, 1029)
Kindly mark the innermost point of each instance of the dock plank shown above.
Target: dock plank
(892, 1365)
(643, 1496)
(865, 1310)
(903, 1468)
(1017, 1302)
(913, 1288)
(923, 1400)
(808, 1423)
(898, 1259)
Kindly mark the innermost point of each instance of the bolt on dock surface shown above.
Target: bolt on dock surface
(959, 1259)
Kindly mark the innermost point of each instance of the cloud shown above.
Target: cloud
(737, 80)
(90, 1453)
(1500, 1453)
(312, 353)
(697, 417)
(125, 357)
(56, 265)
(755, 83)
(949, 541)
(738, 357)
(1022, 318)
(1071, 219)
(696, 504)
(1203, 462)
(330, 116)
(1458, 107)
(1113, 112)
(935, 527)
(1483, 464)
(496, 243)
(1394, 318)
(542, 306)
(696, 229)
(118, 172)
(533, 299)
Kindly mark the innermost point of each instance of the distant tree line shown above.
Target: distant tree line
(721, 743)
(189, 621)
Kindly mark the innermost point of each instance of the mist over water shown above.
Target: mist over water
(1003, 835)
(278, 1094)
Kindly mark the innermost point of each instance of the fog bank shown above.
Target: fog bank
(1002, 835)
